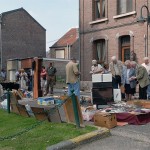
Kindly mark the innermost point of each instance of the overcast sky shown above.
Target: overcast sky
(56, 16)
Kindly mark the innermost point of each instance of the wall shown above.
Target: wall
(22, 36)
(111, 30)
(59, 64)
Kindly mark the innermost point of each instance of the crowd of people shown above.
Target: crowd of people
(127, 75)
(24, 78)
(47, 79)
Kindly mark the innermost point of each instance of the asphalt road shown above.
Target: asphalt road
(130, 137)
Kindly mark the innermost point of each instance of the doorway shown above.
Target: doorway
(125, 48)
(125, 53)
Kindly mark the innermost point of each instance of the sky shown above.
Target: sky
(56, 16)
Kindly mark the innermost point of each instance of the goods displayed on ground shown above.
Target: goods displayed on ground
(99, 108)
(136, 112)
(43, 108)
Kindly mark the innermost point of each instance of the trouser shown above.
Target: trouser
(142, 92)
(148, 91)
(116, 81)
(43, 85)
(50, 83)
(75, 87)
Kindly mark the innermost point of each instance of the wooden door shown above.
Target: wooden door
(125, 53)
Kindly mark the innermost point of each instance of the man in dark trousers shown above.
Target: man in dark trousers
(51, 73)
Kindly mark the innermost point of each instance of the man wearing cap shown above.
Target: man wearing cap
(72, 78)
(51, 72)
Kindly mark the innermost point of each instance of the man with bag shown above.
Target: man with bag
(51, 73)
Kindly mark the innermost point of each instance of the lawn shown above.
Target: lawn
(39, 137)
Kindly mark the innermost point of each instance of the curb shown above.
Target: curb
(82, 139)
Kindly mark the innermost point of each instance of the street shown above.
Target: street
(130, 137)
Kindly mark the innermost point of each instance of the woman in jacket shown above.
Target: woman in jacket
(127, 80)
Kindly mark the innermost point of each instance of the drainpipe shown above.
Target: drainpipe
(1, 40)
(145, 40)
(68, 51)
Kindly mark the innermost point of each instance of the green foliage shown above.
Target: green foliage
(39, 137)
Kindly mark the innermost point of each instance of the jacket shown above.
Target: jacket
(132, 72)
(142, 76)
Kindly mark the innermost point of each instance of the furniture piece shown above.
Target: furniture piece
(102, 91)
(10, 85)
(42, 112)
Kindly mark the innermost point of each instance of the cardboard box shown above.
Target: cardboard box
(97, 78)
(45, 100)
(101, 78)
(140, 103)
(117, 95)
(105, 120)
(107, 77)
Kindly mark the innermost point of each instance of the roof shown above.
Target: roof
(21, 9)
(68, 39)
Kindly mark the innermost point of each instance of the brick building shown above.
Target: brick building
(21, 36)
(110, 27)
(67, 46)
(61, 51)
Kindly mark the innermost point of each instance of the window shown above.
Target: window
(99, 9)
(100, 50)
(124, 6)
(60, 53)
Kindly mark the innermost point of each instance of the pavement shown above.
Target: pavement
(64, 91)
(129, 137)
(80, 140)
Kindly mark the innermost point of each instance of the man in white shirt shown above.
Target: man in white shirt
(146, 64)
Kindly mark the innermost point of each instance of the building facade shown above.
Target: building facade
(110, 28)
(62, 50)
(67, 46)
(21, 36)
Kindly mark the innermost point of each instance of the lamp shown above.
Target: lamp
(141, 20)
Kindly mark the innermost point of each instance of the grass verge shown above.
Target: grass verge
(38, 138)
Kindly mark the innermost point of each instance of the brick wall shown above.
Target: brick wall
(74, 51)
(22, 36)
(112, 30)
